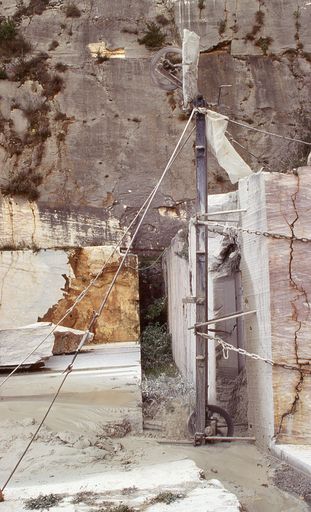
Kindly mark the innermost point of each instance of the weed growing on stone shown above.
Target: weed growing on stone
(3, 75)
(156, 348)
(37, 69)
(222, 24)
(100, 58)
(12, 44)
(60, 67)
(43, 502)
(72, 11)
(201, 5)
(167, 497)
(54, 44)
(162, 20)
(7, 30)
(154, 37)
(34, 7)
(24, 184)
(264, 43)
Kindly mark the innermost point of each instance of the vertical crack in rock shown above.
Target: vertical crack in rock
(33, 234)
(295, 316)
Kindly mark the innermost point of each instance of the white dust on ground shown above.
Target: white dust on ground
(65, 457)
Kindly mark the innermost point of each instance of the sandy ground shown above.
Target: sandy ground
(58, 458)
(65, 457)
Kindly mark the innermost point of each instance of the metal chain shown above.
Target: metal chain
(267, 234)
(226, 347)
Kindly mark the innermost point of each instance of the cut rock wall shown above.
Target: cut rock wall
(111, 130)
(279, 290)
(41, 286)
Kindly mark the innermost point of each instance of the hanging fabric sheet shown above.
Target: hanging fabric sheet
(227, 156)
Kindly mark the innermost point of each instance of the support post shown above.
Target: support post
(201, 269)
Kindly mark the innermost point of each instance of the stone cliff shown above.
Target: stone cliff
(85, 133)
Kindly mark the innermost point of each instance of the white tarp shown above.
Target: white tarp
(227, 156)
(190, 61)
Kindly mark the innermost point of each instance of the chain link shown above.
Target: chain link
(267, 234)
(226, 347)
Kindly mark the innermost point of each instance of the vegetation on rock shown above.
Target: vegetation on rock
(72, 11)
(154, 37)
(24, 184)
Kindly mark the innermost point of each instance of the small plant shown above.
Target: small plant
(171, 100)
(24, 184)
(162, 20)
(167, 497)
(39, 129)
(33, 69)
(53, 86)
(72, 11)
(54, 44)
(100, 58)
(43, 502)
(60, 67)
(154, 37)
(34, 7)
(201, 5)
(7, 30)
(156, 350)
(250, 36)
(264, 43)
(222, 24)
(259, 17)
(118, 508)
(157, 310)
(3, 75)
(11, 43)
(60, 116)
(128, 30)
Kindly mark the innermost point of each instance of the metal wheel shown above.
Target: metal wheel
(218, 422)
(166, 68)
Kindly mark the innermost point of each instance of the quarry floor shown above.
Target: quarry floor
(65, 459)
(73, 462)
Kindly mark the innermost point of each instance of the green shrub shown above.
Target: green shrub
(264, 43)
(72, 11)
(7, 30)
(156, 347)
(154, 37)
(11, 43)
(37, 69)
(61, 67)
(167, 497)
(3, 75)
(34, 7)
(100, 58)
(43, 502)
(24, 184)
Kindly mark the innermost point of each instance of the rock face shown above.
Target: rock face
(278, 289)
(16, 344)
(44, 285)
(85, 126)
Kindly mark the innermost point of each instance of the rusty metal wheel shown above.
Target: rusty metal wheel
(218, 422)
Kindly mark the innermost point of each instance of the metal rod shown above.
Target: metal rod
(223, 319)
(201, 268)
(210, 438)
(216, 221)
(223, 212)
